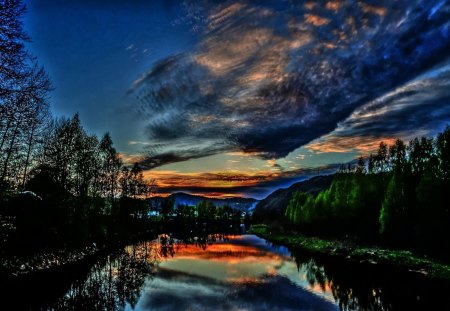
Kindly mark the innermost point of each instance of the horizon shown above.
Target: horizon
(242, 98)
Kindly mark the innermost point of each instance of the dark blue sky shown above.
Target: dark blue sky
(94, 50)
(235, 94)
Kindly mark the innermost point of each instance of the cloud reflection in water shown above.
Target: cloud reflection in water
(243, 273)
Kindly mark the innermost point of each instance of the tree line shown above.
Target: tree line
(397, 196)
(57, 181)
(24, 87)
(206, 210)
(202, 216)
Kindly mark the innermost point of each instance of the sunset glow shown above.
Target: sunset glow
(222, 97)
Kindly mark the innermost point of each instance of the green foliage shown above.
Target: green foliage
(260, 229)
(297, 210)
(394, 204)
(404, 259)
(400, 198)
(443, 153)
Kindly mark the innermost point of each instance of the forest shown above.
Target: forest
(397, 197)
(59, 184)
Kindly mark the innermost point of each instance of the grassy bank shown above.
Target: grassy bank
(401, 259)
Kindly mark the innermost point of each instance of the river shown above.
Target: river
(231, 272)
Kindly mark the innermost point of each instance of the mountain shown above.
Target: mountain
(238, 203)
(274, 205)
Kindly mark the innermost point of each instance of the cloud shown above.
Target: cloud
(420, 107)
(129, 159)
(233, 183)
(174, 150)
(177, 290)
(344, 144)
(268, 79)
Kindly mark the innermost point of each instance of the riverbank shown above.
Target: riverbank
(17, 269)
(401, 259)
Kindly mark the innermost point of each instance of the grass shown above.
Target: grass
(402, 259)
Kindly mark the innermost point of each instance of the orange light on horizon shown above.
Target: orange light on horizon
(221, 182)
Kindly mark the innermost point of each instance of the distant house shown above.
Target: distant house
(153, 213)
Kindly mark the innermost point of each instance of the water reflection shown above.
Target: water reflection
(113, 283)
(220, 272)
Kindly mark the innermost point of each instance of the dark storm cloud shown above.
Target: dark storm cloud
(422, 104)
(180, 152)
(271, 77)
(419, 107)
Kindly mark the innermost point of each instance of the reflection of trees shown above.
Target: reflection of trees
(117, 280)
(350, 289)
(362, 287)
(203, 240)
(114, 282)
(166, 246)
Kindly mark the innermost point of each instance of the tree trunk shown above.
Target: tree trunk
(9, 152)
(5, 134)
(30, 146)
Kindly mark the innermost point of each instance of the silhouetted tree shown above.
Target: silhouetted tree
(23, 92)
(167, 205)
(361, 166)
(110, 168)
(443, 153)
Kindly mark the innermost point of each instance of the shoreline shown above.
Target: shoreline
(398, 259)
(17, 269)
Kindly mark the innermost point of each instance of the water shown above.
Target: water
(240, 272)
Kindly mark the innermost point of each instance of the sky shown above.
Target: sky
(239, 98)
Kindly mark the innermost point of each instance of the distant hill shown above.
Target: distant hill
(274, 205)
(238, 203)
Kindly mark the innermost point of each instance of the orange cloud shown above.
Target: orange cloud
(344, 144)
(244, 154)
(227, 253)
(218, 18)
(366, 8)
(316, 20)
(310, 5)
(334, 5)
(210, 179)
(168, 181)
(129, 159)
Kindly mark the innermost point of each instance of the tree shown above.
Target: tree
(12, 49)
(23, 93)
(111, 165)
(86, 163)
(299, 208)
(38, 125)
(371, 164)
(420, 154)
(133, 184)
(381, 158)
(71, 154)
(443, 153)
(361, 166)
(60, 149)
(397, 155)
(167, 205)
(393, 205)
(22, 119)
